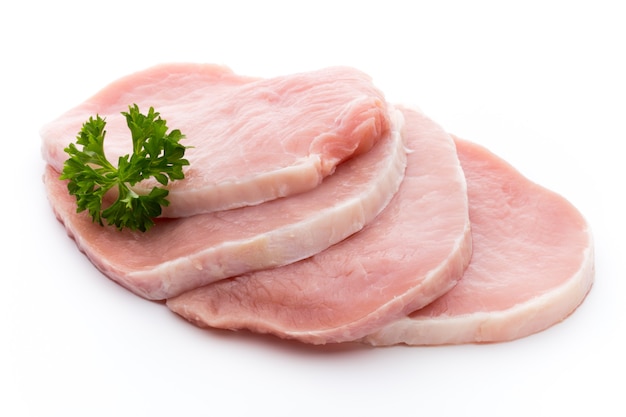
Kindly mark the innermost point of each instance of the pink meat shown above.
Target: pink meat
(180, 254)
(412, 253)
(252, 139)
(532, 263)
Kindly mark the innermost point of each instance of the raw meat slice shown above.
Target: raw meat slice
(532, 264)
(180, 254)
(252, 140)
(412, 253)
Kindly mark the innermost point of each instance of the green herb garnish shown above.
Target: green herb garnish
(156, 153)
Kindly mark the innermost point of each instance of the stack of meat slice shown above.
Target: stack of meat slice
(314, 210)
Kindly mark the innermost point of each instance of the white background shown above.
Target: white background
(541, 83)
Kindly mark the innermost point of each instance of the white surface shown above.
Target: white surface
(541, 83)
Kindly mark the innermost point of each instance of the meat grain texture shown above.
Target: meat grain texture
(532, 265)
(180, 254)
(251, 140)
(411, 254)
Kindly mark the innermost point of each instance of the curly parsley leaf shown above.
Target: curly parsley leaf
(156, 154)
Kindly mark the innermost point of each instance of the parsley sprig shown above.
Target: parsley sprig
(156, 154)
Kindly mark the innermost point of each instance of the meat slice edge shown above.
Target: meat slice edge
(252, 140)
(532, 266)
(180, 254)
(412, 253)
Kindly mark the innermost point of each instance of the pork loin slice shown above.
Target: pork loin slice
(532, 264)
(180, 254)
(412, 253)
(252, 140)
